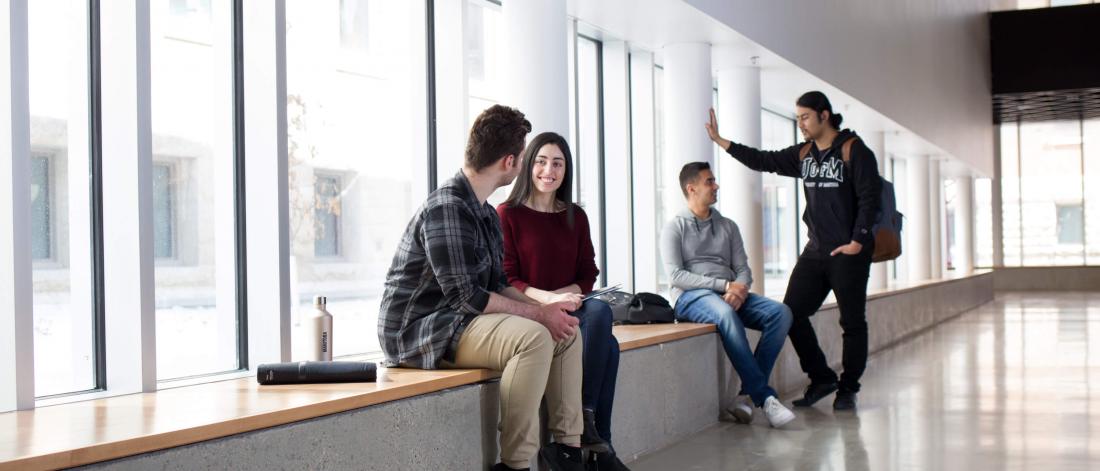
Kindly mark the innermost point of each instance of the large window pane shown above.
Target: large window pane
(1010, 195)
(41, 195)
(588, 150)
(1050, 166)
(485, 55)
(64, 355)
(780, 207)
(164, 214)
(951, 224)
(356, 143)
(899, 268)
(658, 169)
(193, 190)
(1091, 135)
(983, 222)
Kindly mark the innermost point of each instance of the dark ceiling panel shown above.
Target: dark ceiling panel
(1045, 49)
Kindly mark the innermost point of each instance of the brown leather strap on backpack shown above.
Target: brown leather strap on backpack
(846, 149)
(804, 151)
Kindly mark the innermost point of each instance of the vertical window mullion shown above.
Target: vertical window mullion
(16, 309)
(263, 43)
(127, 197)
(94, 161)
(239, 184)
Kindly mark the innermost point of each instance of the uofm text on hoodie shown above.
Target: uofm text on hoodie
(842, 200)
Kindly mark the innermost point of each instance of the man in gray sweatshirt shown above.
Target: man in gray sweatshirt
(708, 269)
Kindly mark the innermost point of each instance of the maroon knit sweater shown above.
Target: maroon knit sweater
(541, 249)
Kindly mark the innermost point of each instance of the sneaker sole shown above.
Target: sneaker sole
(786, 419)
(740, 415)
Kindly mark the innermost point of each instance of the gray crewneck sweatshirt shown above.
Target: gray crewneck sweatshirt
(703, 253)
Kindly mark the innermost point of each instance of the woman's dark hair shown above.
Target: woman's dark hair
(817, 101)
(525, 184)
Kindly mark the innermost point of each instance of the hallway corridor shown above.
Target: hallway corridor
(1009, 385)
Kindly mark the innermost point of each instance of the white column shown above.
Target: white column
(643, 136)
(128, 197)
(918, 239)
(687, 88)
(964, 222)
(538, 63)
(876, 141)
(742, 189)
(935, 218)
(266, 193)
(16, 296)
(618, 186)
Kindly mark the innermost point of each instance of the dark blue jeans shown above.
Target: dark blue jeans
(771, 318)
(601, 363)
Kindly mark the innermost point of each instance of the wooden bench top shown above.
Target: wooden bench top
(102, 429)
(96, 430)
(638, 336)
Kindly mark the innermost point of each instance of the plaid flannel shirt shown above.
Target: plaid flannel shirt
(449, 260)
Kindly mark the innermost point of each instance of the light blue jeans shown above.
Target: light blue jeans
(771, 318)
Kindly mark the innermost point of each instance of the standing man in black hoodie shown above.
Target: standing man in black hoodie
(842, 185)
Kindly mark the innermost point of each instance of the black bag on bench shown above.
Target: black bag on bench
(305, 372)
(641, 308)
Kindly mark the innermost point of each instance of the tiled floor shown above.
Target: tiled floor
(1014, 384)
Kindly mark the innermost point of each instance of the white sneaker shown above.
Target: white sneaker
(778, 415)
(741, 409)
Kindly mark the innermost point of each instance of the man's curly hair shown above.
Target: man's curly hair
(497, 132)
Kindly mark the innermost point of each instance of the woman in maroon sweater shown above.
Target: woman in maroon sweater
(548, 255)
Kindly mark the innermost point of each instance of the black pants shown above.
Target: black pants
(811, 280)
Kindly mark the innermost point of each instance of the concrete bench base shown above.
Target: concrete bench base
(665, 393)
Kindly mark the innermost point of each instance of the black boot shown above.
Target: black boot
(558, 457)
(590, 439)
(845, 400)
(814, 393)
(607, 462)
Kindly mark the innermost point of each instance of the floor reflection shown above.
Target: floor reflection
(1009, 385)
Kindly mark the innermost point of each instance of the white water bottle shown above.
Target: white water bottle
(319, 328)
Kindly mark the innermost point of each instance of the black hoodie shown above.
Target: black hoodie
(842, 200)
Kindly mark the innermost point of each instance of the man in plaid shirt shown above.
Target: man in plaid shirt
(447, 302)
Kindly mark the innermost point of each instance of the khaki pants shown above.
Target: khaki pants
(532, 364)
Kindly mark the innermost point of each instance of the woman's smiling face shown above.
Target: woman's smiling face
(549, 168)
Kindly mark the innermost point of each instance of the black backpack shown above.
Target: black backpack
(641, 308)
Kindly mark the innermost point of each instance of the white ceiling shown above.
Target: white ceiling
(651, 24)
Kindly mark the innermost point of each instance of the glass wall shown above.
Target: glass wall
(983, 222)
(485, 48)
(485, 54)
(193, 190)
(61, 239)
(355, 69)
(950, 223)
(658, 168)
(588, 145)
(781, 209)
(1047, 203)
(896, 171)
